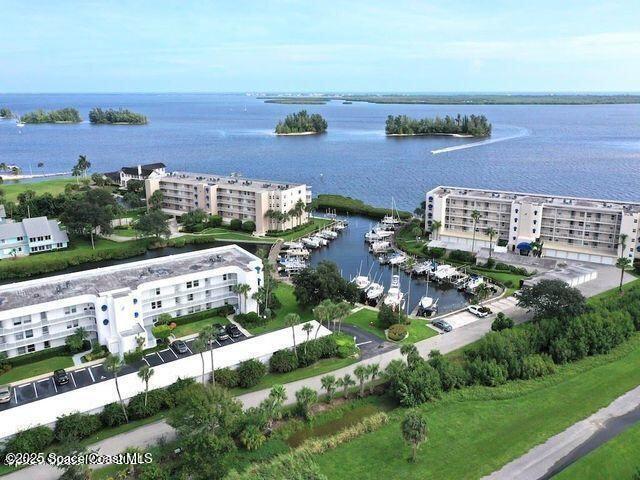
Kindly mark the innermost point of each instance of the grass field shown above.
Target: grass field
(367, 320)
(313, 225)
(288, 302)
(36, 368)
(477, 430)
(232, 235)
(619, 458)
(53, 186)
(196, 327)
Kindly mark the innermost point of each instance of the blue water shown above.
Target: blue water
(577, 150)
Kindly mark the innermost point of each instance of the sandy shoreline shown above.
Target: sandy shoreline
(8, 176)
(295, 134)
(456, 135)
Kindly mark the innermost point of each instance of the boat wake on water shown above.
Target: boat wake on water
(522, 133)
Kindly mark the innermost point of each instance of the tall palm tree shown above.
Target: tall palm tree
(374, 371)
(291, 320)
(208, 336)
(362, 374)
(623, 243)
(242, 290)
(623, 263)
(323, 313)
(113, 364)
(435, 227)
(145, 373)
(475, 216)
(200, 346)
(341, 310)
(300, 208)
(83, 164)
(307, 328)
(491, 233)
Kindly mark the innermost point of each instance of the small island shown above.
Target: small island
(301, 123)
(116, 117)
(460, 126)
(64, 115)
(5, 113)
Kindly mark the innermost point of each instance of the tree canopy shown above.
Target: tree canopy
(312, 285)
(64, 115)
(302, 122)
(111, 116)
(552, 299)
(93, 209)
(476, 125)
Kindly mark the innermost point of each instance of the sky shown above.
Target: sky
(324, 46)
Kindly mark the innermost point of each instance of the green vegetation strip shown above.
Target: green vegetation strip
(488, 427)
(367, 320)
(288, 304)
(13, 188)
(341, 204)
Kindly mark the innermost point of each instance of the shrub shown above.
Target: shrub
(249, 226)
(413, 384)
(490, 263)
(486, 372)
(161, 332)
(227, 377)
(156, 400)
(177, 387)
(346, 346)
(133, 356)
(283, 361)
(434, 252)
(501, 322)
(305, 398)
(397, 332)
(252, 438)
(537, 366)
(235, 224)
(452, 375)
(328, 346)
(37, 356)
(214, 221)
(5, 364)
(250, 319)
(112, 415)
(34, 440)
(75, 426)
(250, 372)
(387, 317)
(462, 256)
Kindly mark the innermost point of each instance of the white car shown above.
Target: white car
(479, 311)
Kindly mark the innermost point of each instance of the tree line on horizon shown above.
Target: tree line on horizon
(302, 122)
(476, 125)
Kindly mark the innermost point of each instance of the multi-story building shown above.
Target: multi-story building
(233, 197)
(140, 172)
(569, 228)
(31, 235)
(119, 304)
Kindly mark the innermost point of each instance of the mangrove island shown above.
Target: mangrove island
(301, 123)
(5, 113)
(64, 115)
(116, 117)
(460, 126)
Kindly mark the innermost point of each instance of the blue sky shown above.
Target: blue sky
(351, 46)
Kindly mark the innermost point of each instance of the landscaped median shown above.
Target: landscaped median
(367, 320)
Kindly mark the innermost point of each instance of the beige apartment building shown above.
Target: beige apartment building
(232, 197)
(569, 228)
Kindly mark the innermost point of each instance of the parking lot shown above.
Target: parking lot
(83, 377)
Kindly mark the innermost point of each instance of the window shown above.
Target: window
(69, 310)
(43, 315)
(45, 330)
(157, 304)
(31, 348)
(224, 277)
(190, 297)
(157, 291)
(28, 334)
(47, 344)
(17, 321)
(19, 335)
(22, 350)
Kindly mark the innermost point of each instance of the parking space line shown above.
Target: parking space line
(189, 349)
(92, 377)
(160, 356)
(145, 361)
(75, 385)
(54, 385)
(35, 390)
(364, 343)
(15, 395)
(216, 340)
(171, 350)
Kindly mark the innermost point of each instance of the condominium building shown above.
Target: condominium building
(31, 235)
(141, 172)
(569, 228)
(119, 304)
(232, 197)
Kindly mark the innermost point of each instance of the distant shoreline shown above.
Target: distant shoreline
(296, 134)
(9, 176)
(456, 135)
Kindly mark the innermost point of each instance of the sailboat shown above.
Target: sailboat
(362, 281)
(394, 297)
(374, 292)
(426, 302)
(391, 221)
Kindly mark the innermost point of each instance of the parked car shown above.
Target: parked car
(233, 331)
(220, 331)
(479, 311)
(179, 346)
(442, 325)
(61, 377)
(5, 393)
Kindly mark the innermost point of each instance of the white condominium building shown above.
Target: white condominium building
(31, 235)
(569, 228)
(119, 304)
(232, 197)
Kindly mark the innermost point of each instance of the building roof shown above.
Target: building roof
(116, 277)
(33, 227)
(146, 169)
(226, 181)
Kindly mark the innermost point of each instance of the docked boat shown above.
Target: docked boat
(374, 292)
(311, 242)
(340, 225)
(380, 246)
(292, 245)
(323, 242)
(329, 234)
(297, 252)
(293, 265)
(394, 297)
(397, 259)
(473, 283)
(444, 272)
(362, 282)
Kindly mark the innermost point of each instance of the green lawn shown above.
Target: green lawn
(196, 327)
(322, 366)
(231, 235)
(36, 368)
(53, 186)
(616, 459)
(367, 320)
(288, 302)
(314, 224)
(477, 430)
(127, 232)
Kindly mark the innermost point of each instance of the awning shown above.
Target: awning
(524, 246)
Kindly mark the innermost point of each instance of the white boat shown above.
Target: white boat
(474, 283)
(380, 247)
(20, 124)
(329, 234)
(292, 245)
(340, 226)
(394, 297)
(444, 272)
(362, 282)
(311, 242)
(390, 221)
(374, 292)
(397, 259)
(297, 252)
(293, 265)
(377, 233)
(323, 242)
(422, 268)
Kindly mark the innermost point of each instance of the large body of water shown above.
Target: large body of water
(589, 150)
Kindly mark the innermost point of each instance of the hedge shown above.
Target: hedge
(227, 377)
(39, 355)
(341, 204)
(34, 440)
(222, 311)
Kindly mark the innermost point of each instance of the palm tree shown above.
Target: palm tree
(491, 233)
(414, 431)
(341, 310)
(242, 289)
(345, 382)
(145, 373)
(328, 382)
(291, 320)
(307, 328)
(208, 336)
(623, 263)
(374, 371)
(435, 227)
(300, 209)
(272, 405)
(83, 164)
(362, 374)
(623, 243)
(200, 346)
(475, 216)
(323, 312)
(113, 364)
